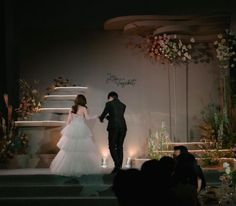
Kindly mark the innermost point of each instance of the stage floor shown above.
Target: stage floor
(36, 171)
(27, 171)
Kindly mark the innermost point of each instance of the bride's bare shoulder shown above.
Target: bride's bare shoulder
(83, 108)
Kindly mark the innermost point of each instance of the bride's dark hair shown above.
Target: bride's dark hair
(79, 100)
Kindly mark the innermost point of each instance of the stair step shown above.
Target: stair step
(75, 88)
(48, 185)
(60, 201)
(58, 97)
(50, 179)
(190, 145)
(87, 190)
(54, 190)
(44, 123)
(68, 90)
(137, 163)
(49, 116)
(196, 151)
(55, 110)
(57, 104)
(186, 143)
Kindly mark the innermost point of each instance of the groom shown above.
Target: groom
(114, 113)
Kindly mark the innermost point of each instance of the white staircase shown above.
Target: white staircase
(44, 127)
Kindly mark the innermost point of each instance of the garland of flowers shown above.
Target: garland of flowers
(169, 49)
(30, 100)
(225, 48)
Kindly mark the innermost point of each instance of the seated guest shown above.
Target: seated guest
(156, 176)
(180, 149)
(167, 167)
(185, 182)
(127, 187)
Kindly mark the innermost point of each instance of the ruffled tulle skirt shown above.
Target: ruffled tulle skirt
(78, 154)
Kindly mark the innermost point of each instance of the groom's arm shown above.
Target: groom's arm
(104, 113)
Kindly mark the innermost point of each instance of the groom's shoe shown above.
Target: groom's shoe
(115, 170)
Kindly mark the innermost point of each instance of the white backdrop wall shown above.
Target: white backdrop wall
(88, 58)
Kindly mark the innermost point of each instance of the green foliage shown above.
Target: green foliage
(30, 99)
(59, 82)
(158, 142)
(216, 126)
(11, 140)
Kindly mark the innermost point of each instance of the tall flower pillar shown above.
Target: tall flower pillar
(187, 109)
(226, 54)
(173, 52)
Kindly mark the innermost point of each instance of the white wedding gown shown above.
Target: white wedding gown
(78, 154)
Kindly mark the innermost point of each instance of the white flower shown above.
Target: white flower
(223, 40)
(220, 36)
(184, 48)
(180, 44)
(225, 165)
(192, 40)
(227, 170)
(34, 91)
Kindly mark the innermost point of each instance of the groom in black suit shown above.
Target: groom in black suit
(114, 113)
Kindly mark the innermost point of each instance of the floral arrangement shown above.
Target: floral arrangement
(158, 142)
(11, 140)
(215, 126)
(215, 134)
(30, 100)
(225, 47)
(162, 136)
(169, 49)
(225, 50)
(172, 49)
(152, 146)
(229, 177)
(59, 82)
(213, 153)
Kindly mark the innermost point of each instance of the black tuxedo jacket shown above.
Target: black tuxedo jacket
(114, 112)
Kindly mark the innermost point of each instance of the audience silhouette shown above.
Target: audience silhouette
(180, 149)
(126, 186)
(168, 181)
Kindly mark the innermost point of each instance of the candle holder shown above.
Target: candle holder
(104, 162)
(128, 163)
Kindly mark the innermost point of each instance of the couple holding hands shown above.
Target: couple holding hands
(78, 154)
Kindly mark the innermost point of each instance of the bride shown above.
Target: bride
(78, 154)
